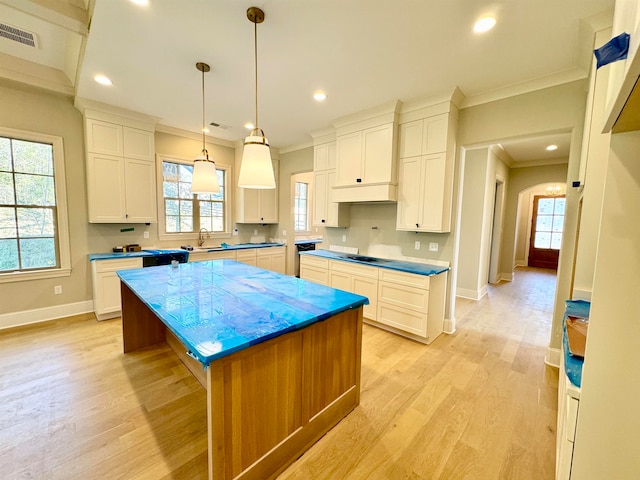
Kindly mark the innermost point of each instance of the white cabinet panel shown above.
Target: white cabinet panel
(435, 134)
(254, 205)
(105, 188)
(247, 256)
(140, 191)
(104, 137)
(272, 258)
(326, 213)
(106, 285)
(378, 160)
(138, 144)
(349, 152)
(216, 255)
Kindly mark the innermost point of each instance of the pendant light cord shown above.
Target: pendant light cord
(255, 56)
(204, 148)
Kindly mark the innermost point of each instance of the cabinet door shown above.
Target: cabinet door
(331, 155)
(409, 186)
(378, 156)
(411, 139)
(435, 134)
(248, 205)
(349, 159)
(340, 280)
(138, 144)
(320, 157)
(268, 205)
(367, 287)
(434, 172)
(140, 191)
(105, 188)
(247, 256)
(104, 137)
(320, 191)
(107, 299)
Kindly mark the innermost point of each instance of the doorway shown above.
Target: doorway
(546, 231)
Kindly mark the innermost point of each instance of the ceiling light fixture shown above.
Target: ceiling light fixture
(103, 80)
(256, 170)
(319, 96)
(249, 126)
(484, 24)
(205, 178)
(142, 3)
(551, 148)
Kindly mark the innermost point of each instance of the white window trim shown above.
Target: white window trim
(309, 219)
(61, 208)
(162, 232)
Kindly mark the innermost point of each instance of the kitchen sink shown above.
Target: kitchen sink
(362, 258)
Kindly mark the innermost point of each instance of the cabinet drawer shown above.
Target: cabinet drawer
(402, 319)
(118, 264)
(318, 262)
(314, 274)
(353, 268)
(404, 278)
(221, 255)
(247, 256)
(268, 251)
(412, 298)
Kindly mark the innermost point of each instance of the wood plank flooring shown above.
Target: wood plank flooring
(479, 404)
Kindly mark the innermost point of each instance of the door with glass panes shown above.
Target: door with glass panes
(546, 231)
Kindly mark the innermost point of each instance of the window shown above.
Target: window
(187, 213)
(549, 222)
(34, 241)
(301, 207)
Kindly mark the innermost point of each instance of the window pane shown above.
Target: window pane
(8, 227)
(35, 222)
(556, 240)
(9, 255)
(6, 188)
(38, 252)
(557, 224)
(217, 224)
(185, 173)
(559, 208)
(171, 207)
(186, 224)
(184, 190)
(5, 154)
(186, 207)
(170, 172)
(543, 223)
(172, 224)
(31, 157)
(35, 190)
(170, 189)
(542, 240)
(545, 206)
(205, 209)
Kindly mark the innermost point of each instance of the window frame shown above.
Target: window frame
(62, 214)
(162, 227)
(307, 200)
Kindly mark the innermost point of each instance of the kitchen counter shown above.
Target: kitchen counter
(409, 267)
(281, 355)
(572, 364)
(147, 252)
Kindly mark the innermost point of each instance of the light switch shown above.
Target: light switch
(417, 246)
(57, 290)
(433, 247)
(146, 234)
(344, 238)
(284, 233)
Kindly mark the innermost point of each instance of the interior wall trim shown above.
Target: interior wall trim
(552, 357)
(27, 317)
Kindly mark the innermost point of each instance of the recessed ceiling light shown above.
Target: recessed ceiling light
(103, 80)
(551, 148)
(319, 96)
(484, 24)
(205, 130)
(249, 126)
(142, 3)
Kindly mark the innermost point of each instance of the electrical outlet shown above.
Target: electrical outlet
(255, 232)
(284, 233)
(433, 247)
(57, 290)
(344, 238)
(417, 246)
(146, 234)
(235, 232)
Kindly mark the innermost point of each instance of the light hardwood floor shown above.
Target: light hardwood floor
(479, 404)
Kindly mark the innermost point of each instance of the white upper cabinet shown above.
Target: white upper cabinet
(254, 205)
(427, 155)
(326, 213)
(120, 170)
(366, 156)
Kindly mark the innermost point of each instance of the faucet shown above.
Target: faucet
(201, 236)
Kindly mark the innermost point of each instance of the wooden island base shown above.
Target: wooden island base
(270, 402)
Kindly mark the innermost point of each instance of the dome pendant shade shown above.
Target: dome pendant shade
(205, 178)
(256, 170)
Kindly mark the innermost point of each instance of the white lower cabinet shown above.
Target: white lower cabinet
(215, 255)
(247, 256)
(568, 404)
(272, 258)
(355, 278)
(408, 304)
(106, 285)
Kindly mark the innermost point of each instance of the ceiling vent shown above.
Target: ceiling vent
(18, 35)
(220, 125)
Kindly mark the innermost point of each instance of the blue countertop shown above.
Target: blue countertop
(409, 267)
(219, 307)
(151, 252)
(573, 364)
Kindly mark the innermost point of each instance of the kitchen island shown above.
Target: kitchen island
(278, 356)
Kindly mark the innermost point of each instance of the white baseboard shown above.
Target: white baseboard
(471, 294)
(552, 357)
(581, 295)
(521, 263)
(449, 326)
(505, 277)
(37, 315)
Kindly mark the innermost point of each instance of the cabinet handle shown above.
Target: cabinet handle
(417, 226)
(322, 220)
(358, 180)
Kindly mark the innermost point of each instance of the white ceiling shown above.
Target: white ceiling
(363, 53)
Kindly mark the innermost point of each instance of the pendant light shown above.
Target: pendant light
(205, 178)
(256, 170)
